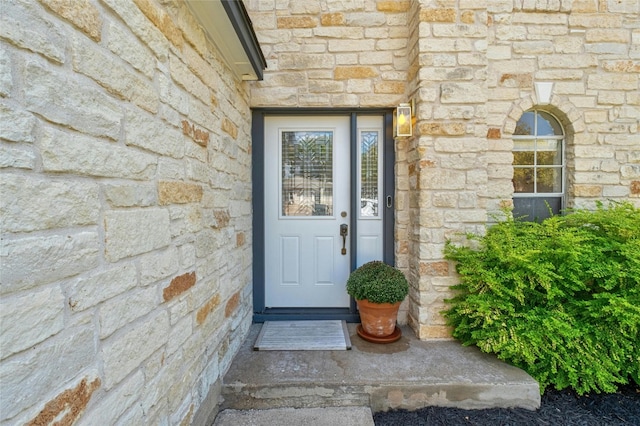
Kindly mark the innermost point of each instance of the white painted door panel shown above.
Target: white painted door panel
(307, 192)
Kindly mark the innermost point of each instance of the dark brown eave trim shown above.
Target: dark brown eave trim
(241, 22)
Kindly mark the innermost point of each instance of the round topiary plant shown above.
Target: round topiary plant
(377, 282)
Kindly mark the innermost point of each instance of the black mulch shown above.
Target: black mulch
(557, 408)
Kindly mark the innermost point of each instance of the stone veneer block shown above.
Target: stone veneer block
(132, 232)
(82, 13)
(67, 407)
(162, 21)
(179, 285)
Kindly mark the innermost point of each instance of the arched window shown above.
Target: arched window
(538, 166)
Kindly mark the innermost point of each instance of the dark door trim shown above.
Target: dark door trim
(260, 312)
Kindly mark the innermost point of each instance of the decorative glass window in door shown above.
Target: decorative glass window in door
(369, 171)
(538, 166)
(307, 173)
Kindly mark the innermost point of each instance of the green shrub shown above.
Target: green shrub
(377, 282)
(559, 299)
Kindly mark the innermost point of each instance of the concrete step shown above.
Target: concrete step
(328, 416)
(408, 374)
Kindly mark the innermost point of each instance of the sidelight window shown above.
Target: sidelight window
(370, 164)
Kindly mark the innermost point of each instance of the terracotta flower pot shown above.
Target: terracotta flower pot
(378, 319)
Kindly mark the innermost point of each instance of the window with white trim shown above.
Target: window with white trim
(538, 166)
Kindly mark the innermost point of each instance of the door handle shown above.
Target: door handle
(344, 231)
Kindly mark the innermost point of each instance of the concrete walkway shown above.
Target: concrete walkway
(330, 416)
(408, 374)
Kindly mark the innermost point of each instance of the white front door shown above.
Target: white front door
(307, 200)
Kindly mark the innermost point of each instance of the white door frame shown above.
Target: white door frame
(261, 312)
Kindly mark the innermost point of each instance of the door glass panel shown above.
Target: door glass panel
(369, 170)
(307, 173)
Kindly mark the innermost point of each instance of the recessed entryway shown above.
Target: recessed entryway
(323, 205)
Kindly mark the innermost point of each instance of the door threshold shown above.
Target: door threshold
(302, 314)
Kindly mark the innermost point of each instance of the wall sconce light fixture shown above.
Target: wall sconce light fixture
(404, 126)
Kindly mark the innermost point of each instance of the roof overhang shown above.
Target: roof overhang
(228, 26)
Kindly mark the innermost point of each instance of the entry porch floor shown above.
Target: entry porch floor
(408, 374)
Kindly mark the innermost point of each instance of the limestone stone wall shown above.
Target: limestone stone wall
(590, 51)
(450, 178)
(331, 53)
(478, 68)
(334, 53)
(125, 213)
(470, 66)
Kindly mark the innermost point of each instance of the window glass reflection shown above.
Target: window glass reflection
(538, 166)
(538, 156)
(525, 125)
(524, 152)
(523, 179)
(549, 153)
(549, 180)
(547, 125)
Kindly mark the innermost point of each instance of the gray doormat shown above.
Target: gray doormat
(330, 335)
